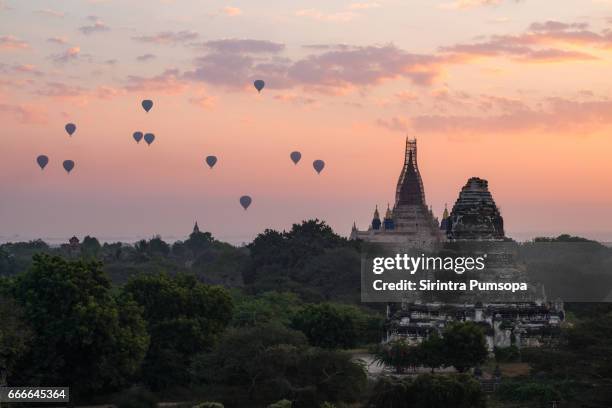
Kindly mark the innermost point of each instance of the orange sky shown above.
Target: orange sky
(512, 92)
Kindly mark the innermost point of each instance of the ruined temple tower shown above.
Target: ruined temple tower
(410, 223)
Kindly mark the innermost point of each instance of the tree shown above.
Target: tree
(265, 308)
(15, 336)
(431, 352)
(90, 246)
(248, 357)
(465, 345)
(184, 317)
(267, 363)
(83, 336)
(325, 326)
(427, 391)
(199, 241)
(155, 246)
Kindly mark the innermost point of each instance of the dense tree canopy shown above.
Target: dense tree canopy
(464, 345)
(82, 334)
(325, 326)
(266, 363)
(428, 391)
(183, 316)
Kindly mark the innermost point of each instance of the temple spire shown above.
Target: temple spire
(410, 185)
(196, 229)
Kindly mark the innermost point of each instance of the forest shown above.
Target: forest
(275, 323)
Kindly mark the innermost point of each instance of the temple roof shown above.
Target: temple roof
(410, 185)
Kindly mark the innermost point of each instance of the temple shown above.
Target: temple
(410, 223)
(474, 222)
(475, 215)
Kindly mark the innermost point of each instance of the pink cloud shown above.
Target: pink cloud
(58, 40)
(70, 54)
(536, 44)
(555, 115)
(168, 37)
(49, 13)
(394, 124)
(9, 42)
(333, 71)
(169, 82)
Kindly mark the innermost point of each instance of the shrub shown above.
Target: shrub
(507, 354)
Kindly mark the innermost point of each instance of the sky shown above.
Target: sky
(517, 92)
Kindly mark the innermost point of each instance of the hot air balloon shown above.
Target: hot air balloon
(68, 165)
(295, 157)
(245, 201)
(318, 165)
(70, 128)
(147, 104)
(211, 161)
(149, 138)
(259, 85)
(42, 161)
(137, 136)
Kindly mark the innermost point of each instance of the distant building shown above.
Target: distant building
(74, 243)
(410, 223)
(196, 229)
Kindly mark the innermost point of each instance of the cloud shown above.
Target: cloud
(58, 40)
(108, 92)
(235, 46)
(360, 66)
(406, 96)
(169, 82)
(9, 42)
(27, 69)
(336, 70)
(145, 57)
(24, 113)
(341, 16)
(97, 26)
(540, 43)
(60, 90)
(394, 124)
(70, 54)
(231, 11)
(332, 71)
(76, 94)
(168, 37)
(49, 13)
(553, 115)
